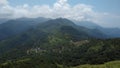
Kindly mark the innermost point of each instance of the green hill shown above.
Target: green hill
(16, 26)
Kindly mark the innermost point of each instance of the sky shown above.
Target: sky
(103, 12)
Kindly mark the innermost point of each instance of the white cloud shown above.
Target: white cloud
(59, 9)
(3, 2)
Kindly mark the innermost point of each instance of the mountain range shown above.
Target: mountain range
(57, 41)
(19, 34)
(111, 32)
(15, 26)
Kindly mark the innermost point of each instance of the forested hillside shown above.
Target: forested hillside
(66, 53)
(58, 42)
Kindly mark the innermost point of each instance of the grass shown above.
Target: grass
(113, 64)
(21, 63)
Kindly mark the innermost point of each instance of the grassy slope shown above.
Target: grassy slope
(113, 64)
(30, 63)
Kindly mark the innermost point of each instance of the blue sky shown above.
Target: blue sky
(111, 6)
(103, 12)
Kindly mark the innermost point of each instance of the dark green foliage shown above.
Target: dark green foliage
(68, 54)
(74, 34)
(55, 42)
(29, 63)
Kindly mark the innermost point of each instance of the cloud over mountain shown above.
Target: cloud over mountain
(59, 9)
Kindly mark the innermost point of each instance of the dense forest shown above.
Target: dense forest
(57, 43)
(62, 53)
